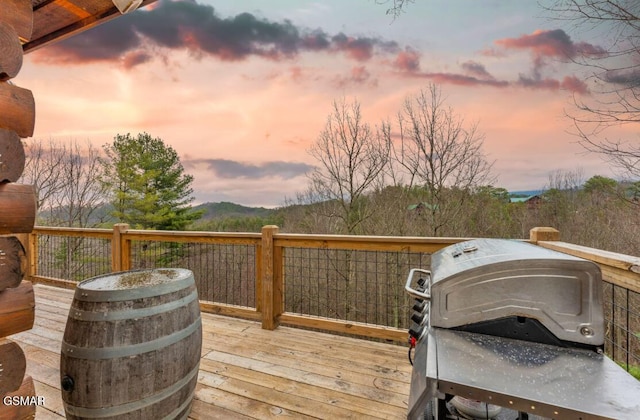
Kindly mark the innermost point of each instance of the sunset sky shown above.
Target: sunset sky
(241, 89)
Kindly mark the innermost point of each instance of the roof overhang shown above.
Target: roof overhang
(55, 20)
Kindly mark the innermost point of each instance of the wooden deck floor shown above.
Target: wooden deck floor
(247, 372)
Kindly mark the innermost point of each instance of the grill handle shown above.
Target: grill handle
(426, 293)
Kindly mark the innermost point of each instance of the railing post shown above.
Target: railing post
(32, 254)
(272, 279)
(543, 234)
(120, 249)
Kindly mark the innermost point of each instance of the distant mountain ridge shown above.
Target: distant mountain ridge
(212, 211)
(225, 209)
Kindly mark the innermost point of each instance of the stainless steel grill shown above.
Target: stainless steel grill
(513, 325)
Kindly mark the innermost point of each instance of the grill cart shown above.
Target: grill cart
(508, 330)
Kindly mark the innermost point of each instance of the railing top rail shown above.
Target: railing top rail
(366, 243)
(370, 238)
(73, 231)
(614, 259)
(193, 236)
(620, 269)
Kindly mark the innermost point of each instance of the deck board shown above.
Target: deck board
(247, 372)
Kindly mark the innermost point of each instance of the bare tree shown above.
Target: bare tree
(66, 177)
(614, 73)
(42, 162)
(352, 158)
(566, 180)
(396, 7)
(440, 154)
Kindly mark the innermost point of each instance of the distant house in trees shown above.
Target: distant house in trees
(532, 201)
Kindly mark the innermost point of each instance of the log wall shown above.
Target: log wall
(17, 207)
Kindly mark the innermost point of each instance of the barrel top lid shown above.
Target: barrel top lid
(135, 279)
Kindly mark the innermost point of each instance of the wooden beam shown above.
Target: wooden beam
(19, 14)
(365, 243)
(10, 52)
(12, 156)
(17, 309)
(269, 278)
(229, 310)
(337, 325)
(74, 232)
(13, 262)
(22, 411)
(50, 281)
(543, 234)
(628, 280)
(18, 204)
(76, 27)
(227, 238)
(614, 259)
(18, 109)
(13, 364)
(620, 269)
(73, 9)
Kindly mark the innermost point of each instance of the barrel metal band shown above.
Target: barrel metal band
(174, 414)
(89, 295)
(121, 409)
(82, 315)
(130, 350)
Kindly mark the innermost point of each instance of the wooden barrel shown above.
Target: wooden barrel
(131, 347)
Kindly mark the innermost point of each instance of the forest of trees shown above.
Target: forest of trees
(424, 174)
(598, 212)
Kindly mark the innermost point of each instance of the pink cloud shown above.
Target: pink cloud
(296, 73)
(198, 29)
(358, 75)
(407, 60)
(475, 69)
(550, 43)
(463, 80)
(135, 58)
(574, 84)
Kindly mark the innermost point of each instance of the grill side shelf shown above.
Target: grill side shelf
(550, 381)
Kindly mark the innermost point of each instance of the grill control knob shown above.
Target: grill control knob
(415, 332)
(418, 306)
(417, 318)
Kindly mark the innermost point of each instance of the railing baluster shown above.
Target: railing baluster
(259, 278)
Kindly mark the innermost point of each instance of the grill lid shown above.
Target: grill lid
(487, 279)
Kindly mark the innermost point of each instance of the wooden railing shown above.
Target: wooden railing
(270, 256)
